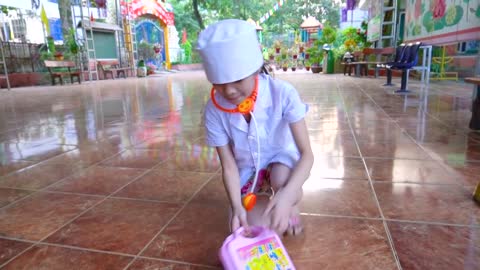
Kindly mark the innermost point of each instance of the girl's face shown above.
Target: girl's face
(238, 91)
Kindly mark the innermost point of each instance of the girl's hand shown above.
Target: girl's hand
(239, 218)
(280, 209)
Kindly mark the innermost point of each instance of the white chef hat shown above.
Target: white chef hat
(230, 51)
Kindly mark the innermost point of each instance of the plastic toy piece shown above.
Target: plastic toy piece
(257, 249)
(249, 201)
(245, 107)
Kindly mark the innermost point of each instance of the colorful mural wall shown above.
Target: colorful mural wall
(442, 21)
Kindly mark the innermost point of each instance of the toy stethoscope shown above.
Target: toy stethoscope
(246, 107)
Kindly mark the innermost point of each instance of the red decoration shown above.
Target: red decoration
(101, 3)
(137, 8)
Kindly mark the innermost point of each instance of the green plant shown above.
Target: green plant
(329, 35)
(46, 55)
(51, 44)
(316, 53)
(187, 52)
(70, 42)
(141, 63)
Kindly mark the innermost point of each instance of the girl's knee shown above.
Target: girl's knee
(279, 175)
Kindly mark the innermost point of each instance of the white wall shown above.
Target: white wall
(356, 21)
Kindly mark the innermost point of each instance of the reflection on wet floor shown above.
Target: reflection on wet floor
(116, 175)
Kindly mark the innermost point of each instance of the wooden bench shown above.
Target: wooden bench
(111, 66)
(361, 60)
(54, 66)
(475, 120)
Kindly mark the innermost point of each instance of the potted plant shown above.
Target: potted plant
(278, 45)
(157, 48)
(285, 66)
(316, 56)
(151, 69)
(308, 65)
(284, 54)
(58, 56)
(301, 47)
(141, 69)
(271, 54)
(294, 68)
(70, 42)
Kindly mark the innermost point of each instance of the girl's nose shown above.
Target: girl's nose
(230, 90)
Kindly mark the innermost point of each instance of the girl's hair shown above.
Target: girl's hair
(267, 69)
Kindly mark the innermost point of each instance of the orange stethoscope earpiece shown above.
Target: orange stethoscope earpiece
(245, 107)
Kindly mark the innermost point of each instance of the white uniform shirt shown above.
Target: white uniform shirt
(278, 104)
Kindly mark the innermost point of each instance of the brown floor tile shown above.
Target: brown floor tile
(340, 243)
(336, 197)
(161, 185)
(10, 249)
(97, 180)
(454, 152)
(189, 231)
(141, 159)
(87, 154)
(11, 166)
(116, 225)
(29, 152)
(192, 162)
(405, 150)
(57, 258)
(8, 195)
(212, 193)
(41, 214)
(38, 176)
(346, 148)
(412, 171)
(448, 204)
(421, 246)
(338, 168)
(146, 264)
(164, 143)
(465, 172)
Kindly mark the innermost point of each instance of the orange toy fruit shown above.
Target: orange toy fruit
(249, 201)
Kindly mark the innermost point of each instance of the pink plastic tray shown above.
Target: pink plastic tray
(263, 250)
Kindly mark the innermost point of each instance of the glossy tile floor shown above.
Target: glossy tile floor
(116, 175)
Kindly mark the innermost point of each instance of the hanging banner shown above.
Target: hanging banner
(270, 13)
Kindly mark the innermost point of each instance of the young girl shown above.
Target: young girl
(257, 125)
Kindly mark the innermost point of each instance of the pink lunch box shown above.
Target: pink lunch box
(261, 250)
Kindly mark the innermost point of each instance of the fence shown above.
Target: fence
(22, 57)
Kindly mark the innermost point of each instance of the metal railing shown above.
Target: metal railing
(22, 57)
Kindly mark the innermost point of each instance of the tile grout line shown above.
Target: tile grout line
(57, 182)
(170, 221)
(98, 251)
(384, 222)
(73, 173)
(393, 220)
(406, 133)
(81, 213)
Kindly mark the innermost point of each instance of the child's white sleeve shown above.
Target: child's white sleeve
(216, 133)
(294, 109)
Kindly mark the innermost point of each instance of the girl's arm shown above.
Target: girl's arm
(231, 181)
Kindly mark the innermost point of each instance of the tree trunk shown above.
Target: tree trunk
(65, 10)
(197, 14)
